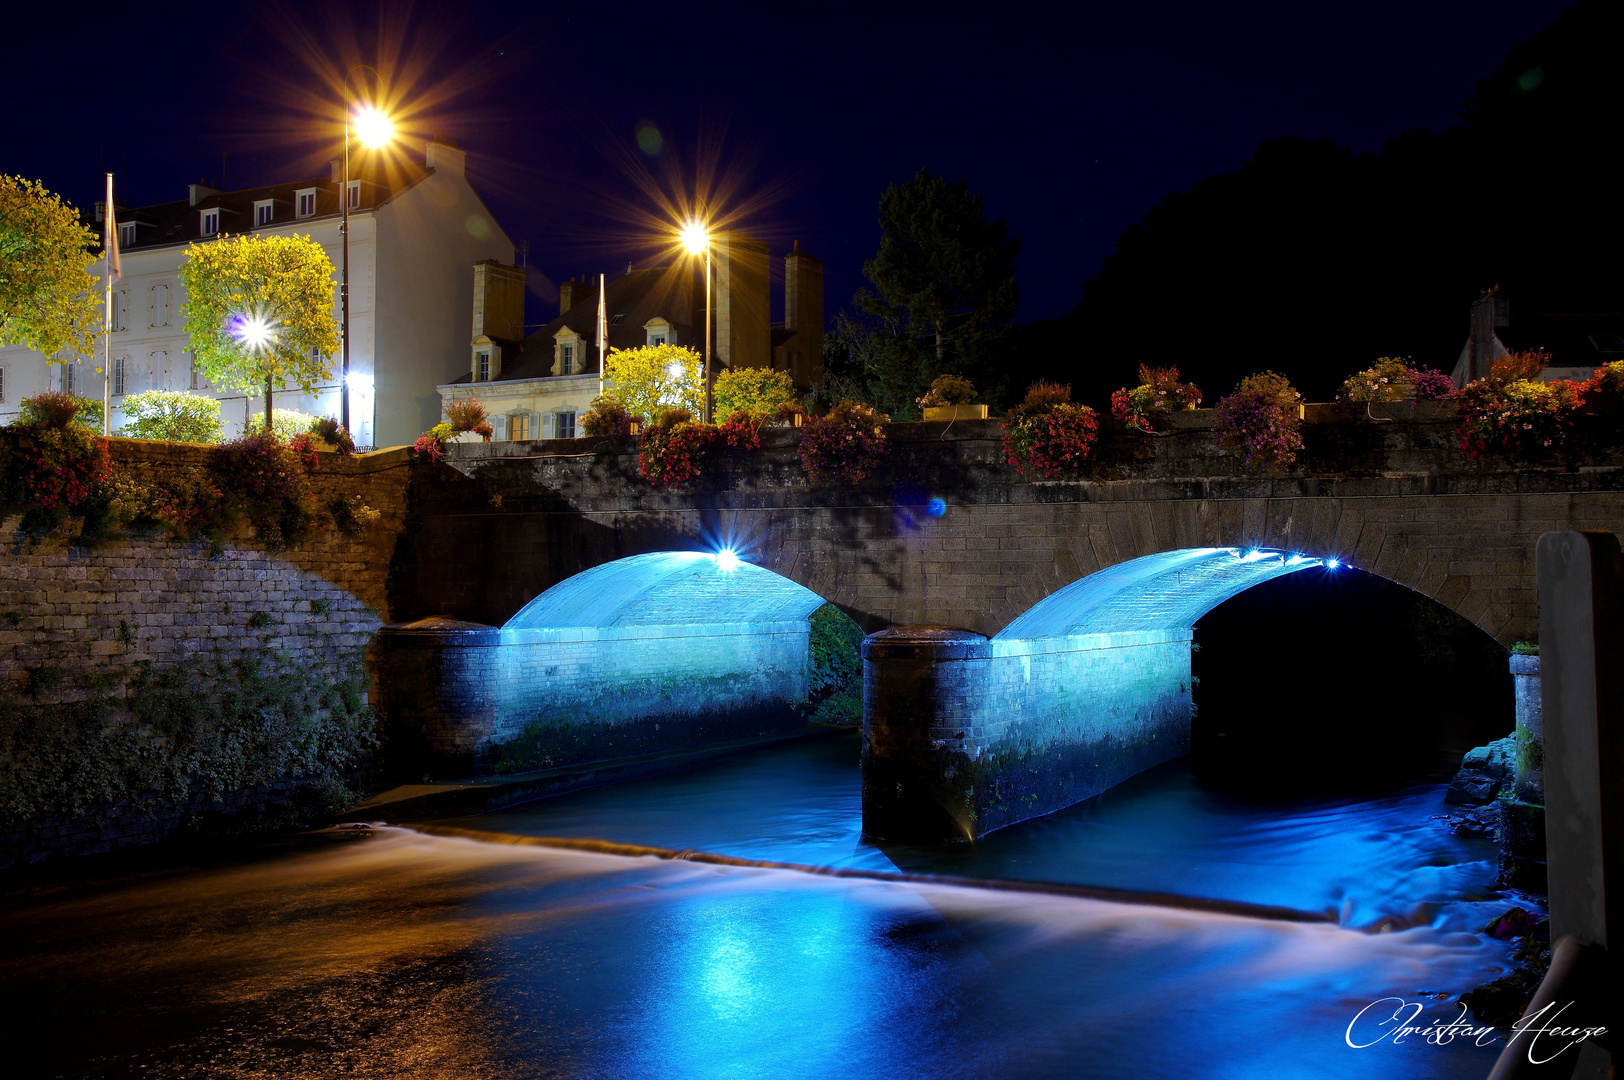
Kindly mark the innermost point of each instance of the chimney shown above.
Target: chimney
(199, 191)
(570, 293)
(498, 301)
(803, 315)
(1491, 313)
(440, 157)
(335, 168)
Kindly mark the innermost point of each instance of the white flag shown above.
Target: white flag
(115, 269)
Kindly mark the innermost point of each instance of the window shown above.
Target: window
(126, 235)
(355, 194)
(118, 375)
(565, 426)
(264, 211)
(484, 368)
(121, 304)
(198, 382)
(306, 203)
(519, 427)
(211, 221)
(566, 359)
(656, 339)
(616, 320)
(158, 370)
(67, 377)
(2, 384)
(160, 305)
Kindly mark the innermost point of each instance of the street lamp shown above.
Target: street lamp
(375, 130)
(695, 238)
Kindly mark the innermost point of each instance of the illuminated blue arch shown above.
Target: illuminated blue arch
(1166, 591)
(668, 588)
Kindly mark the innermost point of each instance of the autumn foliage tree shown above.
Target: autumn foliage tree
(654, 378)
(49, 300)
(259, 312)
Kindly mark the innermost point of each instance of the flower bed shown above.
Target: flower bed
(1160, 391)
(845, 445)
(1048, 434)
(1393, 379)
(1261, 422)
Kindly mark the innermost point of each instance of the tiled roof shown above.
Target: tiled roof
(180, 222)
(1584, 340)
(632, 300)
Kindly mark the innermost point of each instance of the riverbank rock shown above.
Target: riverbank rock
(1484, 772)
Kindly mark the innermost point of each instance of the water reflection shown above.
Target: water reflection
(399, 954)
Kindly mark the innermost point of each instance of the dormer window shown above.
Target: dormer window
(355, 194)
(567, 357)
(264, 211)
(305, 203)
(126, 235)
(659, 332)
(211, 222)
(484, 365)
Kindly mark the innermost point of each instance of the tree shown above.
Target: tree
(655, 377)
(942, 266)
(757, 391)
(259, 311)
(171, 415)
(48, 299)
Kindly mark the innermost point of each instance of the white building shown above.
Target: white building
(414, 231)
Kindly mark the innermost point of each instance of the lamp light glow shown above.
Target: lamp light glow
(373, 128)
(727, 560)
(695, 238)
(1331, 564)
(254, 331)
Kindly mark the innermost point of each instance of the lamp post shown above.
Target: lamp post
(375, 131)
(696, 238)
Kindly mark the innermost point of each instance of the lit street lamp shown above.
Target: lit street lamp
(374, 130)
(696, 238)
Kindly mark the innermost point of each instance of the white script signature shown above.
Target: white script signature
(1395, 1019)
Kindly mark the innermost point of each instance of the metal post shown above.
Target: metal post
(708, 403)
(344, 286)
(107, 314)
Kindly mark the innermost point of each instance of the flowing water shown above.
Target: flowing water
(391, 953)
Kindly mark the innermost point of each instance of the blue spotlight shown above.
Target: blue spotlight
(936, 507)
(1331, 564)
(727, 560)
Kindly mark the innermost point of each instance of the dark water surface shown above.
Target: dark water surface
(390, 953)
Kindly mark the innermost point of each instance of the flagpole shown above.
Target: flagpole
(603, 333)
(108, 240)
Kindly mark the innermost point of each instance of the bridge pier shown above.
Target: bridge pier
(963, 734)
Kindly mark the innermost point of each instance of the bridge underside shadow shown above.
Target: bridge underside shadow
(964, 734)
(657, 652)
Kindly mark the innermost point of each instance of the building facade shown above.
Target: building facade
(414, 229)
(538, 386)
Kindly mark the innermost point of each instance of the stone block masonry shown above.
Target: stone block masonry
(962, 735)
(463, 699)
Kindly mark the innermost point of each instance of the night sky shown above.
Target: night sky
(793, 118)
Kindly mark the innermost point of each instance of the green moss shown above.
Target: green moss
(1525, 648)
(181, 734)
(835, 647)
(259, 620)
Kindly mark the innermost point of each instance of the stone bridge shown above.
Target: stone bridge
(1068, 604)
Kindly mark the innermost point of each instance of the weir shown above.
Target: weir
(964, 734)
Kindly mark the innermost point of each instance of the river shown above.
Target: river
(386, 952)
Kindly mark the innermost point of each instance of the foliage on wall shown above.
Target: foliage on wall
(1512, 411)
(181, 734)
(1394, 379)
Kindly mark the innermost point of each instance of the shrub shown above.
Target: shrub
(1048, 434)
(172, 416)
(948, 390)
(755, 391)
(331, 431)
(431, 444)
(51, 409)
(673, 449)
(846, 445)
(265, 482)
(1608, 377)
(1393, 379)
(1262, 422)
(465, 415)
(608, 417)
(1159, 391)
(59, 470)
(1526, 366)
